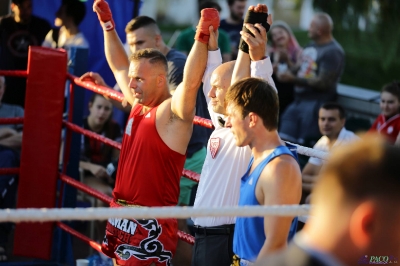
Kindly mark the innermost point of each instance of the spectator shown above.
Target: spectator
(186, 38)
(355, 214)
(234, 23)
(225, 163)
(331, 123)
(10, 146)
(284, 53)
(321, 66)
(95, 155)
(67, 34)
(388, 122)
(157, 134)
(17, 32)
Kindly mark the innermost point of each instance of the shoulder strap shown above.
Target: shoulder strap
(280, 150)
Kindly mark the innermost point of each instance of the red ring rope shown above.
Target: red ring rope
(79, 185)
(118, 96)
(186, 237)
(11, 121)
(80, 236)
(9, 171)
(92, 135)
(14, 73)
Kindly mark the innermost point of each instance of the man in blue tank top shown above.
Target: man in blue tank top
(273, 176)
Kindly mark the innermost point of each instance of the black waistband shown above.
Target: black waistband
(225, 229)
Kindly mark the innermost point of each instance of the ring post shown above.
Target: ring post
(40, 147)
(77, 66)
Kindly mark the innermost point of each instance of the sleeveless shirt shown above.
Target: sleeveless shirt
(249, 234)
(148, 171)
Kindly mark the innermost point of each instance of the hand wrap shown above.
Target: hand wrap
(209, 17)
(253, 18)
(103, 12)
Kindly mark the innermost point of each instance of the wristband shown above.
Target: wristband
(253, 18)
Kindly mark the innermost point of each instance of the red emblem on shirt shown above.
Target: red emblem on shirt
(214, 146)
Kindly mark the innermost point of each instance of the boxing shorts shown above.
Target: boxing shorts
(140, 242)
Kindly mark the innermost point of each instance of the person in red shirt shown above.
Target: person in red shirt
(155, 140)
(388, 122)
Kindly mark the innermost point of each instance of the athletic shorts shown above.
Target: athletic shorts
(140, 242)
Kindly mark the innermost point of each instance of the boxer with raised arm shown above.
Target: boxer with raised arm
(155, 140)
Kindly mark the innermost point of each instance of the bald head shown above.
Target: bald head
(224, 72)
(220, 82)
(324, 22)
(321, 28)
(142, 32)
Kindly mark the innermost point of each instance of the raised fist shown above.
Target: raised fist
(103, 11)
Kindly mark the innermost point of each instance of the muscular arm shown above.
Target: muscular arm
(329, 69)
(114, 50)
(118, 62)
(279, 183)
(323, 82)
(257, 47)
(184, 99)
(309, 176)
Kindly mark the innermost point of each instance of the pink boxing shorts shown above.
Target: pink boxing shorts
(140, 242)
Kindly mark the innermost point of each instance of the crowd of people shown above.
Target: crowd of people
(258, 95)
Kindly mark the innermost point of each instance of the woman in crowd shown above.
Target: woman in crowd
(284, 54)
(388, 122)
(95, 155)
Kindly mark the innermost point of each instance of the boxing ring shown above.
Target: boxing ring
(42, 183)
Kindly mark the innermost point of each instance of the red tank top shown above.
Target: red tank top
(389, 128)
(148, 170)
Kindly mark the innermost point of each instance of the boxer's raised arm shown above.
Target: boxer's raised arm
(184, 99)
(115, 53)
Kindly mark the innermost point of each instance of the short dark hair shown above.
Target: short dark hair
(231, 2)
(257, 96)
(153, 55)
(393, 88)
(367, 168)
(140, 22)
(209, 4)
(335, 106)
(75, 9)
(18, 2)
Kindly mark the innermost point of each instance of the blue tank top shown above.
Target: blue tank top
(249, 236)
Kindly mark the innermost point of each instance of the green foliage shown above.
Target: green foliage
(371, 50)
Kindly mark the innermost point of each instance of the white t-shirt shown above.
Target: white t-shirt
(225, 163)
(323, 144)
(77, 40)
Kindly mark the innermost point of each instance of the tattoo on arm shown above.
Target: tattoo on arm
(325, 80)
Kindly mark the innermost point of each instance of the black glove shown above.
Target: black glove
(253, 18)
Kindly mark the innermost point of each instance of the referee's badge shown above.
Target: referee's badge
(214, 146)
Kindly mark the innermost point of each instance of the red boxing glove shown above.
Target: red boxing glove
(104, 14)
(209, 17)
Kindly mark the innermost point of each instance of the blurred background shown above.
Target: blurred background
(368, 30)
